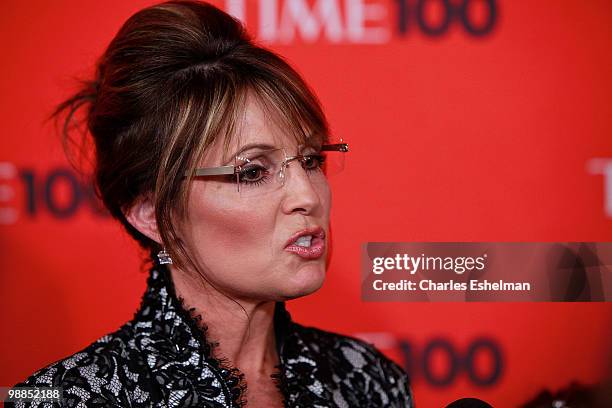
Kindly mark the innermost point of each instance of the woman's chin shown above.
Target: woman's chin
(306, 280)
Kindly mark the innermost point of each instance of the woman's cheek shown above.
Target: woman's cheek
(326, 199)
(233, 230)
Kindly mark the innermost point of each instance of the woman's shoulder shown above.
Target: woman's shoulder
(98, 369)
(359, 363)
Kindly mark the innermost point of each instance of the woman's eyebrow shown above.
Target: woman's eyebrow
(249, 146)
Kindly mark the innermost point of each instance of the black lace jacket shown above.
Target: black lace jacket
(162, 358)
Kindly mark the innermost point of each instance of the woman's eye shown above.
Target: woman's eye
(313, 161)
(253, 174)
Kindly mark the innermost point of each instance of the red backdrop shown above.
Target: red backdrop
(482, 129)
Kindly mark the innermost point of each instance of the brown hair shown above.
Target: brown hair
(174, 79)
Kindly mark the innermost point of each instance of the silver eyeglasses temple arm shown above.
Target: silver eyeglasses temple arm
(338, 147)
(212, 171)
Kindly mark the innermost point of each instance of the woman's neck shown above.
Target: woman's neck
(247, 340)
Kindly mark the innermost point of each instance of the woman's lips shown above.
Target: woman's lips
(314, 251)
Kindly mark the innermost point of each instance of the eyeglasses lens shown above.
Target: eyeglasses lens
(262, 172)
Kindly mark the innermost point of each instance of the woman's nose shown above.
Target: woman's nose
(302, 192)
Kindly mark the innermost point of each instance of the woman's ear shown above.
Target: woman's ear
(142, 217)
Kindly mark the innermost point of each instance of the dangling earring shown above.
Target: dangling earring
(164, 257)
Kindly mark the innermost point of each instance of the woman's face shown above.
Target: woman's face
(245, 243)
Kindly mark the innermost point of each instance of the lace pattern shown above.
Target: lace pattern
(163, 357)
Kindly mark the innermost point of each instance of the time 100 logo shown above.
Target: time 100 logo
(424, 363)
(441, 362)
(60, 192)
(363, 21)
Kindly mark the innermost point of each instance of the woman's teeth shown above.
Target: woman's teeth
(303, 241)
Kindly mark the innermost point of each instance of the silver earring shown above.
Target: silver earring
(164, 257)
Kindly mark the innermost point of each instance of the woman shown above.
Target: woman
(214, 155)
